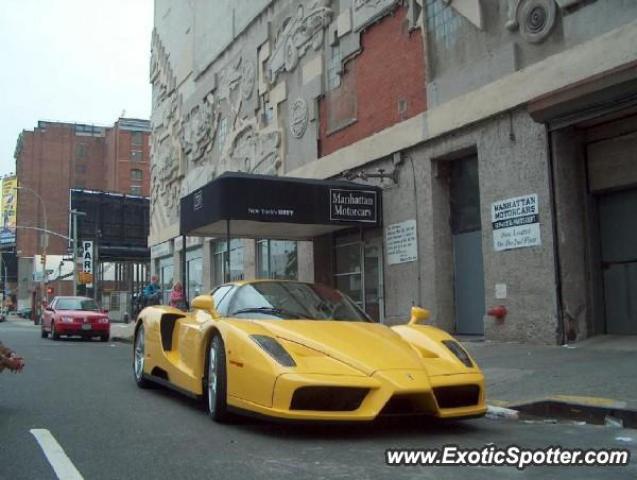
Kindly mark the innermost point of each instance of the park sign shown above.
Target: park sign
(86, 275)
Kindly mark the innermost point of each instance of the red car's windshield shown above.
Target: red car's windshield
(294, 300)
(84, 304)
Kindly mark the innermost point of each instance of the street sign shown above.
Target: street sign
(87, 261)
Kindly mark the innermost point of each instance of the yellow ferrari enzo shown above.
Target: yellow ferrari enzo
(302, 351)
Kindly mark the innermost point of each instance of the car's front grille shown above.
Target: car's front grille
(457, 396)
(328, 399)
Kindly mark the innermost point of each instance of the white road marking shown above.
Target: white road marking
(62, 465)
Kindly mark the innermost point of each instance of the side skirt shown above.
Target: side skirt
(167, 384)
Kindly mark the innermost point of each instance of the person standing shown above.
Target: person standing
(152, 292)
(177, 297)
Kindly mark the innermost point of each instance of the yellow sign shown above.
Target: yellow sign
(85, 278)
(8, 209)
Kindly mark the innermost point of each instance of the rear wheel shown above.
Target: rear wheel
(104, 338)
(139, 353)
(216, 381)
(43, 332)
(54, 334)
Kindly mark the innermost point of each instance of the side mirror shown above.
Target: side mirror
(419, 315)
(204, 302)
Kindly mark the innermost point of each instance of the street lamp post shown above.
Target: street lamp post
(46, 236)
(75, 214)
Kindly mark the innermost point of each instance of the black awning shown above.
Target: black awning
(262, 206)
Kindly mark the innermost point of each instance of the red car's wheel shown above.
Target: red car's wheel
(54, 335)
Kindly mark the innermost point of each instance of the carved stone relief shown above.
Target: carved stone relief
(296, 36)
(198, 130)
(534, 19)
(161, 73)
(251, 150)
(299, 117)
(368, 11)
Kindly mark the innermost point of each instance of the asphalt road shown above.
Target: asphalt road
(84, 394)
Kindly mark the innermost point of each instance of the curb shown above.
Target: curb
(593, 410)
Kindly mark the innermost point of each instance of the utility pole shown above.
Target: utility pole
(75, 214)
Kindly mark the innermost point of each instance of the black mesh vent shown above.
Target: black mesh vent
(457, 396)
(328, 399)
(411, 404)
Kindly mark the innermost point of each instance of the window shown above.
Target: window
(81, 151)
(277, 259)
(236, 261)
(135, 189)
(194, 273)
(136, 155)
(136, 175)
(136, 139)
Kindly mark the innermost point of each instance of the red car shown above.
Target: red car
(75, 316)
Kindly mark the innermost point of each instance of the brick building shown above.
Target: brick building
(57, 156)
(501, 131)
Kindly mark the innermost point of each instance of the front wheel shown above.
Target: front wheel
(139, 353)
(54, 334)
(216, 381)
(43, 332)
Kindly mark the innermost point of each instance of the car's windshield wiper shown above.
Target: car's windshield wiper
(273, 310)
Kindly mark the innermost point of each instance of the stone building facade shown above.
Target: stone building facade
(502, 133)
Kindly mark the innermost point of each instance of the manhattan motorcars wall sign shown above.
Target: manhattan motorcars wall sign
(516, 223)
(353, 205)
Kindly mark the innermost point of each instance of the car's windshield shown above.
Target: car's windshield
(85, 304)
(294, 300)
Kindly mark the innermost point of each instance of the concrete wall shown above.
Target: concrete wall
(463, 57)
(513, 161)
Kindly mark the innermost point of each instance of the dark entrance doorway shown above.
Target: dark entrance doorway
(466, 229)
(618, 236)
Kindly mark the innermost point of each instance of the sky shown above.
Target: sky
(83, 61)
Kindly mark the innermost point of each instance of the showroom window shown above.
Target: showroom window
(236, 261)
(277, 259)
(194, 273)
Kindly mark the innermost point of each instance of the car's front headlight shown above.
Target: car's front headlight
(459, 352)
(67, 319)
(274, 349)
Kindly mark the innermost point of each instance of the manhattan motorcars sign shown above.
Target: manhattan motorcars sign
(353, 205)
(516, 223)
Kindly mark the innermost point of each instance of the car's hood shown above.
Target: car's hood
(367, 347)
(80, 313)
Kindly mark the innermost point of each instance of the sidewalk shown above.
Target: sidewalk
(122, 332)
(599, 371)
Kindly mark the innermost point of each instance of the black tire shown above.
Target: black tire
(215, 391)
(104, 338)
(138, 368)
(54, 334)
(43, 332)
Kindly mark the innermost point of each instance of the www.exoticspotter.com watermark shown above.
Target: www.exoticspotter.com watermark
(512, 456)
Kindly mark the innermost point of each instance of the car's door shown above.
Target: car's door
(190, 336)
(47, 316)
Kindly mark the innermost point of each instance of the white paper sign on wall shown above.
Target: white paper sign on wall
(516, 223)
(400, 242)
